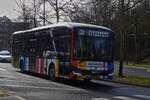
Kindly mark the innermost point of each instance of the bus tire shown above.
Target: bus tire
(21, 66)
(52, 73)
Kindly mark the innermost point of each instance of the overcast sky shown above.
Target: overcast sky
(7, 8)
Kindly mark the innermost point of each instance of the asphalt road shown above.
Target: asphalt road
(134, 71)
(34, 87)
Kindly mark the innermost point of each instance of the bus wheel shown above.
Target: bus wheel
(21, 67)
(52, 73)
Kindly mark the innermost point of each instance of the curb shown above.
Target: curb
(134, 67)
(127, 83)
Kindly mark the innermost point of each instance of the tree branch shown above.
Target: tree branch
(135, 3)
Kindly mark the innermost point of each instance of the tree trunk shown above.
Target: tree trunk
(121, 4)
(34, 14)
(57, 11)
(44, 13)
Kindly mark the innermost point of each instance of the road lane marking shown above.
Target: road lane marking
(2, 69)
(33, 81)
(46, 82)
(148, 70)
(143, 96)
(26, 81)
(124, 98)
(18, 97)
(36, 87)
(100, 99)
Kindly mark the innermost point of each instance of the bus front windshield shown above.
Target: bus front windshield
(93, 44)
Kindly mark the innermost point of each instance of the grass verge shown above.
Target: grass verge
(132, 79)
(5, 94)
(134, 65)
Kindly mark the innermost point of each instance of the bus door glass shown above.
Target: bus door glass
(63, 46)
(32, 53)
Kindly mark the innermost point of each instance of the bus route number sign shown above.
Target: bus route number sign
(94, 33)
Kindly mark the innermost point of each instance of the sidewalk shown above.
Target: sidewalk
(135, 67)
(134, 70)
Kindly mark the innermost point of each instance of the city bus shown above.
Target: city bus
(70, 50)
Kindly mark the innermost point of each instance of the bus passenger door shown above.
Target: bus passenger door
(32, 54)
(64, 57)
(62, 37)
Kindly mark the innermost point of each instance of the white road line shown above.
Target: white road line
(27, 81)
(36, 87)
(100, 99)
(143, 96)
(18, 97)
(2, 69)
(47, 82)
(148, 70)
(124, 98)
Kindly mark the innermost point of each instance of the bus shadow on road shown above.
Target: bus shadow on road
(92, 86)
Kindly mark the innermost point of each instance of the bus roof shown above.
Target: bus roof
(66, 24)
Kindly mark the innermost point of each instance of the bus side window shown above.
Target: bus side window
(43, 43)
(50, 45)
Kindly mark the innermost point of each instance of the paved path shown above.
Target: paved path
(33, 87)
(134, 71)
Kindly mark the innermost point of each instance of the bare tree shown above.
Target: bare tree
(29, 11)
(24, 12)
(123, 9)
(58, 7)
(36, 8)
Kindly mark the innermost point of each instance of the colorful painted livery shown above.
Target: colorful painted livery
(73, 50)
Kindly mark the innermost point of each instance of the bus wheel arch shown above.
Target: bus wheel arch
(52, 71)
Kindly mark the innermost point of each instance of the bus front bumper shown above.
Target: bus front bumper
(92, 75)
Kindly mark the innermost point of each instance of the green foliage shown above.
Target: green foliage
(132, 79)
(5, 94)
